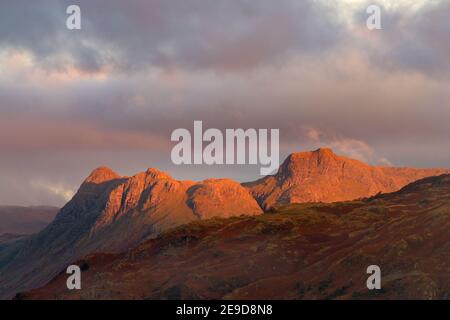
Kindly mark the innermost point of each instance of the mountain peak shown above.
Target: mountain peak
(100, 175)
(157, 174)
(320, 153)
(324, 151)
(323, 176)
(296, 163)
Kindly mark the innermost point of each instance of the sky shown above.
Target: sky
(112, 93)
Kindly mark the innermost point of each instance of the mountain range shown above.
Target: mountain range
(112, 214)
(298, 251)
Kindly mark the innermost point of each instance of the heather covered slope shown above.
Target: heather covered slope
(308, 251)
(113, 213)
(323, 176)
(25, 220)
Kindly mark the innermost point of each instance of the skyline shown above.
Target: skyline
(112, 93)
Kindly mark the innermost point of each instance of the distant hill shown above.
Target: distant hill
(25, 220)
(307, 251)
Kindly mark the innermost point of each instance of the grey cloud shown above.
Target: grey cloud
(264, 64)
(194, 34)
(413, 41)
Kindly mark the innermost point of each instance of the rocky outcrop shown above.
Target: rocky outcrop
(221, 198)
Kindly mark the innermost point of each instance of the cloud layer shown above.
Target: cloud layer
(111, 93)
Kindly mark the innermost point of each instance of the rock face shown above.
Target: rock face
(306, 251)
(112, 213)
(221, 198)
(322, 176)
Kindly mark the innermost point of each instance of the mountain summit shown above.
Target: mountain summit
(100, 175)
(323, 176)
